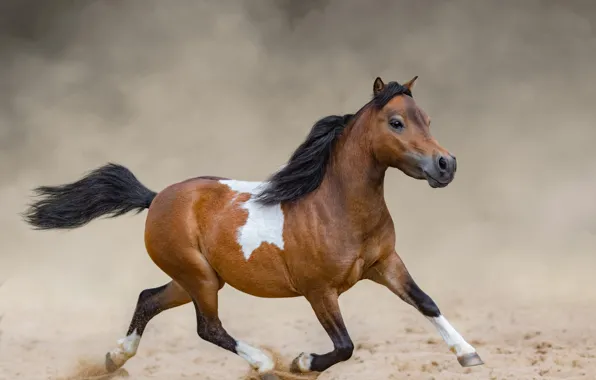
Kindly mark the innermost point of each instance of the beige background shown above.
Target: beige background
(186, 88)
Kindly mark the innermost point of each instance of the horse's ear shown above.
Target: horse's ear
(378, 86)
(410, 84)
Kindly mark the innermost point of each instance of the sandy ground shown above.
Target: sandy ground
(51, 331)
(532, 341)
(230, 88)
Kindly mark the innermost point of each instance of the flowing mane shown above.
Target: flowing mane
(307, 166)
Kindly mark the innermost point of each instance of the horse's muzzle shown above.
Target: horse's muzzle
(439, 170)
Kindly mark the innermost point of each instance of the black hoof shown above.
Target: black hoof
(110, 365)
(470, 360)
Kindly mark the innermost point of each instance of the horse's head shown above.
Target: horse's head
(401, 138)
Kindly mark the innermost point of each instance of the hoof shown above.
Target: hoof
(110, 365)
(301, 364)
(269, 376)
(294, 366)
(470, 360)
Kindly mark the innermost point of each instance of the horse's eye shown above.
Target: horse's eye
(396, 124)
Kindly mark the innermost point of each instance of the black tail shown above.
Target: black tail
(110, 190)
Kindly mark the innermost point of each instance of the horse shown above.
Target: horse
(313, 229)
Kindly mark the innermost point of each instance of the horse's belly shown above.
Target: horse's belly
(263, 274)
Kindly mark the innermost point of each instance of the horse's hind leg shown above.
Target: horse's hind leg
(392, 273)
(203, 284)
(326, 308)
(151, 302)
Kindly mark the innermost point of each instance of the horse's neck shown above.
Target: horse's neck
(357, 178)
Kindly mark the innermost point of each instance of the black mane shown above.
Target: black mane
(306, 168)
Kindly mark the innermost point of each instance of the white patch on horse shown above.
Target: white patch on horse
(454, 340)
(127, 348)
(255, 357)
(265, 224)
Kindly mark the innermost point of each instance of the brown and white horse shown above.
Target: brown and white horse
(314, 229)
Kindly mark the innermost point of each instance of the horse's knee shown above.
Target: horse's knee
(426, 305)
(422, 301)
(429, 308)
(345, 351)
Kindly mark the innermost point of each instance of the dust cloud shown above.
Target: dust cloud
(180, 89)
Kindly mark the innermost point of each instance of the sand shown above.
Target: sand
(230, 89)
(534, 339)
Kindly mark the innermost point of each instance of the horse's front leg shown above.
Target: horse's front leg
(392, 273)
(326, 308)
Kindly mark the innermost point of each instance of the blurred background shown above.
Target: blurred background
(179, 89)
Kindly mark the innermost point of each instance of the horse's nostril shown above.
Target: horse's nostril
(442, 163)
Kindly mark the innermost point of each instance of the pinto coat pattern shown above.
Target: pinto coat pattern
(314, 229)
